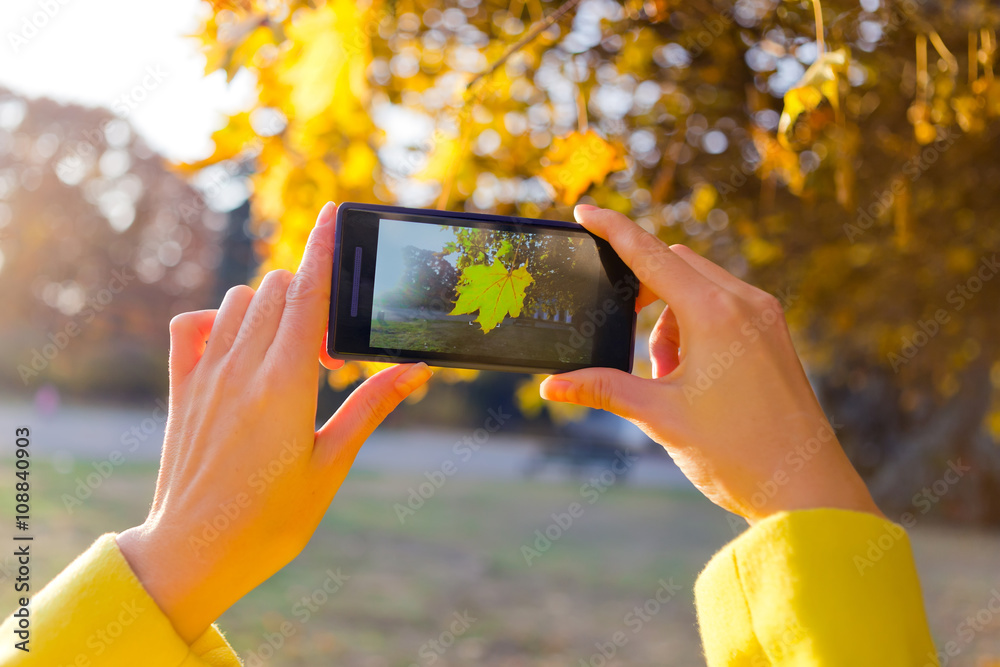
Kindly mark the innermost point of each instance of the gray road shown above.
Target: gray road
(79, 433)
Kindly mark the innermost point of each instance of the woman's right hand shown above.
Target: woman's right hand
(729, 399)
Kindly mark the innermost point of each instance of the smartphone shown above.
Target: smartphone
(477, 291)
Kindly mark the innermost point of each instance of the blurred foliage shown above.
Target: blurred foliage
(864, 190)
(101, 246)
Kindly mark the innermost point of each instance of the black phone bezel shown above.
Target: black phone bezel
(357, 226)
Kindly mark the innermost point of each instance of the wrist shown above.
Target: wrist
(171, 581)
(850, 495)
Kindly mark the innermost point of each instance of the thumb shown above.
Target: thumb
(188, 336)
(340, 438)
(605, 388)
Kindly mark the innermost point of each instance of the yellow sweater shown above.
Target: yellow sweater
(813, 587)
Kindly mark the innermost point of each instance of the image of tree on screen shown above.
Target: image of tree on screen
(505, 272)
(449, 285)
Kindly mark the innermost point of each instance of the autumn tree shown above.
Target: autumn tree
(842, 156)
(100, 245)
(428, 281)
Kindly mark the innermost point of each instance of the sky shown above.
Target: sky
(125, 53)
(393, 236)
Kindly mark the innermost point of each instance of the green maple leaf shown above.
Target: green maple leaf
(492, 290)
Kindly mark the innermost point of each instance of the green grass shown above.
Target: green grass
(462, 551)
(456, 336)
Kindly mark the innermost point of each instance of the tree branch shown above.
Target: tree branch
(527, 39)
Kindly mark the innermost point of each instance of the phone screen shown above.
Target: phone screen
(479, 292)
(468, 290)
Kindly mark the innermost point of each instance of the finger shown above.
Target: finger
(328, 362)
(307, 301)
(340, 438)
(664, 344)
(189, 334)
(608, 389)
(712, 271)
(263, 315)
(652, 261)
(228, 321)
(646, 297)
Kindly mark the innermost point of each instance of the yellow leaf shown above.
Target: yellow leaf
(820, 82)
(969, 112)
(220, 52)
(356, 168)
(444, 151)
(344, 377)
(229, 142)
(530, 403)
(244, 51)
(370, 368)
(269, 184)
(703, 199)
(778, 160)
(759, 252)
(328, 56)
(924, 132)
(453, 375)
(578, 160)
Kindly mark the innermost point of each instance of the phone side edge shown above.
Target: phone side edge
(338, 241)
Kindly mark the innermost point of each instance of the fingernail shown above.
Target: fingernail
(325, 214)
(555, 390)
(585, 207)
(413, 377)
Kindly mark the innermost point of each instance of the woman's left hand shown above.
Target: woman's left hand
(244, 476)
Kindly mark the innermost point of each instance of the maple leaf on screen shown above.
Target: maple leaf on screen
(493, 290)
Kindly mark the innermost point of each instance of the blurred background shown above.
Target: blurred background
(842, 156)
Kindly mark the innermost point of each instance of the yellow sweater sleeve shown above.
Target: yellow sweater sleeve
(815, 587)
(95, 612)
